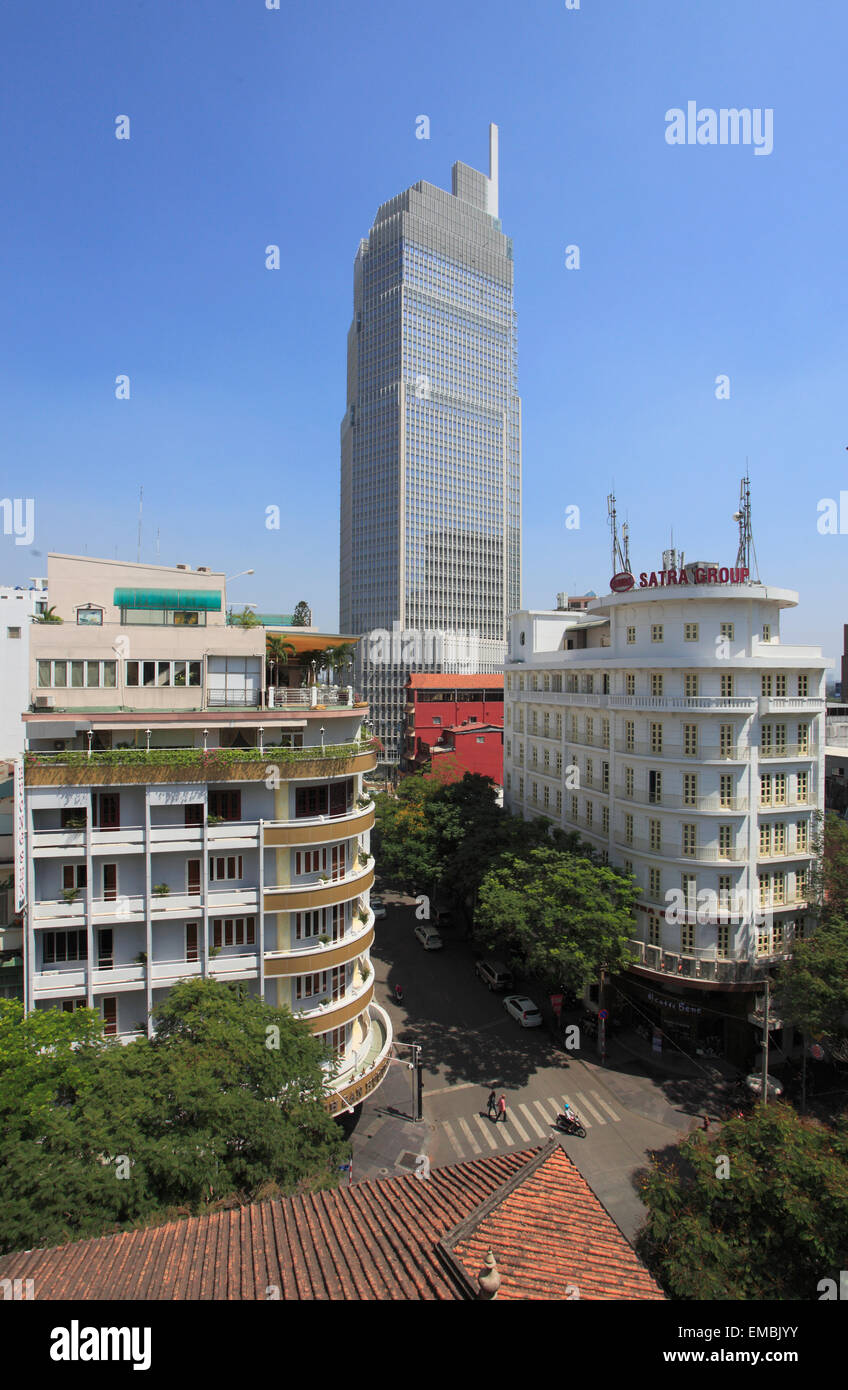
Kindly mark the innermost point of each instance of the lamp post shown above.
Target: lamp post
(90, 740)
(322, 738)
(230, 577)
(148, 732)
(205, 737)
(261, 731)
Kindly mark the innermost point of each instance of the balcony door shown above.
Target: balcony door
(107, 810)
(193, 878)
(337, 861)
(105, 949)
(110, 882)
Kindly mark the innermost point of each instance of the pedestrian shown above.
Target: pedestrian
(491, 1104)
(501, 1109)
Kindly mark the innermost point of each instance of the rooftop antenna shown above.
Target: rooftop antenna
(625, 538)
(140, 498)
(747, 550)
(618, 560)
(157, 542)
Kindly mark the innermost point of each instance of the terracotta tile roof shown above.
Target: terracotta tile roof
(434, 680)
(396, 1238)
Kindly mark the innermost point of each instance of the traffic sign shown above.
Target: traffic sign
(603, 1013)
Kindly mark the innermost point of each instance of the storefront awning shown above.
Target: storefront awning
(197, 600)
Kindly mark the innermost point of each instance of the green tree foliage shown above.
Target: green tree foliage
(556, 916)
(812, 987)
(771, 1229)
(96, 1136)
(302, 616)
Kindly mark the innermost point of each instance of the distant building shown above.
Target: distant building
(436, 702)
(468, 747)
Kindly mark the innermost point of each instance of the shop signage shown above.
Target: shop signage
(556, 1004)
(663, 1002)
(667, 579)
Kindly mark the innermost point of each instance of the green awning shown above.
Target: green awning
(202, 600)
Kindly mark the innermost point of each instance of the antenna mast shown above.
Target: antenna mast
(747, 551)
(619, 559)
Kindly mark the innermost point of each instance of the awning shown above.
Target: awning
(205, 600)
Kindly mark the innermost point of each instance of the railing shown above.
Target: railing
(218, 697)
(676, 800)
(207, 759)
(794, 704)
(735, 703)
(663, 850)
(677, 752)
(699, 963)
(311, 949)
(311, 696)
(789, 750)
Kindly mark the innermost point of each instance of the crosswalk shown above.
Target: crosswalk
(527, 1122)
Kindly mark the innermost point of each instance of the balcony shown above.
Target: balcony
(312, 892)
(312, 697)
(675, 801)
(311, 955)
(363, 1073)
(700, 966)
(705, 704)
(316, 830)
(118, 767)
(783, 704)
(663, 850)
(675, 752)
(322, 1018)
(789, 750)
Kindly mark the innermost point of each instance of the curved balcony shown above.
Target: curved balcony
(364, 1072)
(675, 801)
(339, 1011)
(301, 897)
(700, 967)
(674, 752)
(708, 854)
(704, 704)
(305, 959)
(317, 830)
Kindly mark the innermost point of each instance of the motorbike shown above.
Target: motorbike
(398, 994)
(570, 1123)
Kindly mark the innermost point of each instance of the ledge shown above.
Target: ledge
(44, 771)
(317, 831)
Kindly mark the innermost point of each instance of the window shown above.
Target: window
(763, 941)
(59, 946)
(631, 636)
(763, 885)
(689, 889)
(655, 835)
(656, 684)
(590, 772)
(779, 837)
(803, 686)
(305, 986)
(590, 812)
(765, 840)
(655, 885)
(690, 789)
(656, 632)
(628, 829)
(690, 686)
(628, 867)
(687, 938)
(590, 729)
(605, 743)
(690, 632)
(605, 818)
(803, 738)
(690, 740)
(765, 789)
(802, 883)
(546, 797)
(723, 941)
(655, 787)
(574, 809)
(780, 685)
(726, 689)
(779, 888)
(766, 683)
(309, 861)
(226, 805)
(802, 835)
(629, 736)
(630, 683)
(779, 789)
(724, 892)
(766, 632)
(628, 781)
(234, 931)
(13, 632)
(109, 1010)
(656, 738)
(725, 841)
(803, 786)
(225, 866)
(726, 744)
(73, 877)
(559, 763)
(688, 831)
(559, 802)
(653, 931)
(605, 777)
(726, 630)
(161, 673)
(191, 952)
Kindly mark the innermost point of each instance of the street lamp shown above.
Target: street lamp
(148, 732)
(230, 577)
(322, 738)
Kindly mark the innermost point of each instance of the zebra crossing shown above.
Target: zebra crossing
(527, 1122)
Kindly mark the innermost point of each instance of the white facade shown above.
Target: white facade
(677, 733)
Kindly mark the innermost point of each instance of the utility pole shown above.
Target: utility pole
(766, 1041)
(419, 1082)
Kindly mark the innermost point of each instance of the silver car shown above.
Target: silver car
(523, 1010)
(429, 938)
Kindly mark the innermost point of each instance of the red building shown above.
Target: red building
(469, 748)
(443, 710)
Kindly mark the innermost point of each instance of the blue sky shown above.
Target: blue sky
(251, 127)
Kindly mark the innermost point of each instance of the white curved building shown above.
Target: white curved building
(671, 727)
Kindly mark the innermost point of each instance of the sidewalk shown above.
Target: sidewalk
(387, 1139)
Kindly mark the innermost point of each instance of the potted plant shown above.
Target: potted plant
(324, 940)
(214, 951)
(75, 823)
(70, 895)
(324, 1003)
(322, 878)
(141, 958)
(214, 820)
(161, 890)
(363, 857)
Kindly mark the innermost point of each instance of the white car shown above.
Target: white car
(429, 938)
(524, 1010)
(754, 1082)
(378, 907)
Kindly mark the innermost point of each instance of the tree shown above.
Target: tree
(277, 653)
(246, 618)
(49, 616)
(302, 615)
(812, 987)
(769, 1223)
(223, 1104)
(558, 917)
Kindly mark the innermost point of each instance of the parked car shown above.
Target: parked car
(524, 1010)
(429, 937)
(378, 907)
(754, 1083)
(442, 917)
(494, 974)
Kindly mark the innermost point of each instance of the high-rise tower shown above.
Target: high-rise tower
(431, 441)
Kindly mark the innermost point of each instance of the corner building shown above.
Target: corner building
(673, 729)
(181, 820)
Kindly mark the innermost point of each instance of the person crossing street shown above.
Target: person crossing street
(501, 1115)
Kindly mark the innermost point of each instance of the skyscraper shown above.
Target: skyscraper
(431, 442)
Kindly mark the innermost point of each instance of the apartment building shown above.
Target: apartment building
(672, 727)
(181, 819)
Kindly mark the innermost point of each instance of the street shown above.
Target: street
(470, 1044)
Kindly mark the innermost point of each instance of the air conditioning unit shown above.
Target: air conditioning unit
(45, 701)
(182, 567)
(203, 569)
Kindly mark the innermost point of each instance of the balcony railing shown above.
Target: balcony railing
(640, 796)
(664, 850)
(677, 753)
(700, 964)
(789, 750)
(736, 704)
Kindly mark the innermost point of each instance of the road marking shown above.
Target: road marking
(585, 1105)
(545, 1116)
(532, 1122)
(475, 1147)
(553, 1106)
(513, 1120)
(443, 1090)
(608, 1108)
(452, 1139)
(485, 1127)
